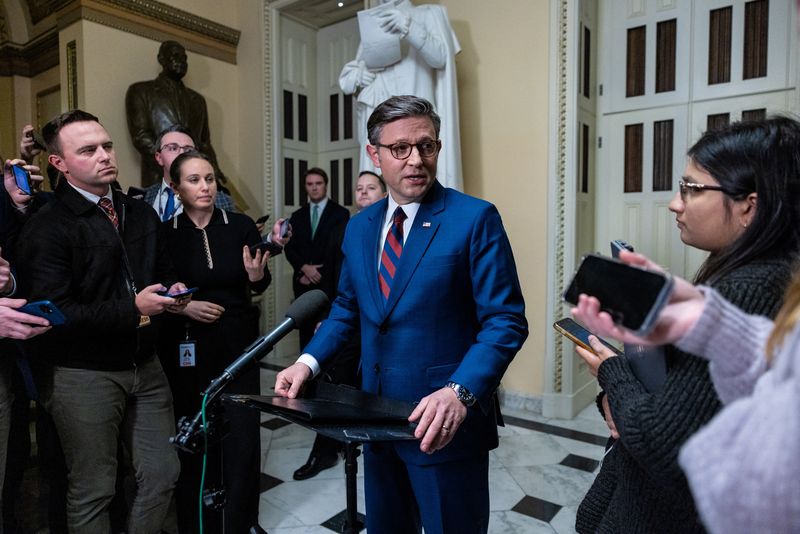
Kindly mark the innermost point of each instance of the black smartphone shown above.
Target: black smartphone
(285, 228)
(273, 248)
(617, 246)
(38, 140)
(631, 295)
(23, 179)
(262, 219)
(177, 294)
(579, 335)
(46, 309)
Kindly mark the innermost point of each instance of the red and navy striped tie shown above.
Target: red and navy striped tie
(392, 250)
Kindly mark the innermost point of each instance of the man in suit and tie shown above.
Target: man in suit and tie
(170, 144)
(309, 252)
(429, 275)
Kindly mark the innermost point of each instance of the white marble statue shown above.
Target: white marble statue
(407, 50)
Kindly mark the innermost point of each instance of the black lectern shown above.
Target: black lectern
(344, 414)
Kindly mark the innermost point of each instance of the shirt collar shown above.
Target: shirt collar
(91, 197)
(322, 203)
(409, 209)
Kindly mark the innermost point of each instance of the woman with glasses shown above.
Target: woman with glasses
(216, 251)
(733, 202)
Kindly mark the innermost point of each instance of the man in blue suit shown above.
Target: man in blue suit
(435, 290)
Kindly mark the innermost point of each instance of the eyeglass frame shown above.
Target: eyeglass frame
(182, 148)
(437, 143)
(685, 187)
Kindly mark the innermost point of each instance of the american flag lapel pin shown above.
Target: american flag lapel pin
(426, 224)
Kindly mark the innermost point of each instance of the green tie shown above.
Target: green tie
(314, 219)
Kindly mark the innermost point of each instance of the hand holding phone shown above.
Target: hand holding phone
(579, 335)
(23, 179)
(285, 227)
(178, 294)
(631, 295)
(45, 309)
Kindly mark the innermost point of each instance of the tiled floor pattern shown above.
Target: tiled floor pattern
(537, 477)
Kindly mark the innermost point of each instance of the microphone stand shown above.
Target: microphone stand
(190, 432)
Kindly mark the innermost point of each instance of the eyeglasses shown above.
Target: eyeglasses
(426, 149)
(687, 188)
(175, 147)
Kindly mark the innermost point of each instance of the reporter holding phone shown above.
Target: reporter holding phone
(210, 249)
(736, 200)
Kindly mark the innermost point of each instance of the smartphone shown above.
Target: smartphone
(23, 179)
(46, 309)
(273, 248)
(617, 246)
(179, 294)
(285, 228)
(579, 335)
(38, 140)
(262, 219)
(631, 295)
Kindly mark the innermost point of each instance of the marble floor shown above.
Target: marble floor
(537, 477)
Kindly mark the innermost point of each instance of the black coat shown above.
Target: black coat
(70, 254)
(322, 249)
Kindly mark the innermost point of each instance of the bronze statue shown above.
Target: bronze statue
(154, 106)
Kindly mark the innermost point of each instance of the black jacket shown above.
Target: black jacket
(70, 254)
(302, 249)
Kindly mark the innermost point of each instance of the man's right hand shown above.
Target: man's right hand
(290, 381)
(312, 272)
(148, 302)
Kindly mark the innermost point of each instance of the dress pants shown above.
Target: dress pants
(92, 410)
(445, 498)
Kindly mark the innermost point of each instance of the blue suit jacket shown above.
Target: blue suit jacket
(455, 312)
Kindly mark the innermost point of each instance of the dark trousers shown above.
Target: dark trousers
(91, 411)
(401, 498)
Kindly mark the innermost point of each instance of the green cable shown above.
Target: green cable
(205, 455)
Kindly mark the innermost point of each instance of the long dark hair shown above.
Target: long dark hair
(761, 157)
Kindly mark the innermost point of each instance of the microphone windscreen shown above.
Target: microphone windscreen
(307, 307)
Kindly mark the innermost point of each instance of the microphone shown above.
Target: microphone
(305, 308)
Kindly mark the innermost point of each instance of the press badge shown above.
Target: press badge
(186, 353)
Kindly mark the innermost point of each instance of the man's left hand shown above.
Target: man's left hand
(438, 417)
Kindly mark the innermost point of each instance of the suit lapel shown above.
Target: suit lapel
(371, 239)
(425, 226)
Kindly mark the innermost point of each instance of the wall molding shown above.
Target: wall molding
(521, 402)
(157, 21)
(31, 59)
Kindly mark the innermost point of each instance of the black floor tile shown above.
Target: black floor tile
(556, 430)
(267, 482)
(275, 423)
(580, 462)
(537, 508)
(336, 523)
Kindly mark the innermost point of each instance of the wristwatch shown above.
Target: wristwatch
(463, 394)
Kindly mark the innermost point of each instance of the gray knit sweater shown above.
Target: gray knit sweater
(744, 466)
(640, 486)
